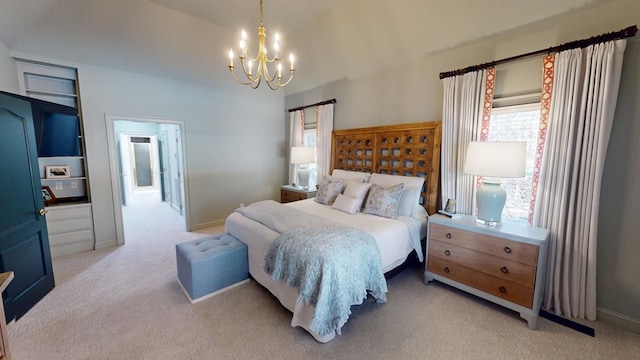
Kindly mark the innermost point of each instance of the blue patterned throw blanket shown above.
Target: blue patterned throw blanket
(332, 267)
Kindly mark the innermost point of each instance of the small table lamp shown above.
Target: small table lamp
(303, 155)
(494, 160)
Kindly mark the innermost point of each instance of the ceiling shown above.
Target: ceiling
(188, 40)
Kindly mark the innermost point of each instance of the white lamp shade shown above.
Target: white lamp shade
(303, 155)
(498, 159)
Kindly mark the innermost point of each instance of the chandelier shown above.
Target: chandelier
(274, 79)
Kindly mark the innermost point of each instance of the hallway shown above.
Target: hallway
(147, 214)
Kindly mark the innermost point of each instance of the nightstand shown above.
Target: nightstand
(505, 264)
(290, 193)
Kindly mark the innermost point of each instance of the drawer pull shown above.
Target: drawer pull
(503, 289)
(504, 269)
(448, 235)
(507, 250)
(446, 269)
(447, 252)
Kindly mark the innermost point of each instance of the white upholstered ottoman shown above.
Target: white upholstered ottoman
(210, 265)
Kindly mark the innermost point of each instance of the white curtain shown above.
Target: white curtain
(296, 138)
(581, 114)
(461, 120)
(323, 150)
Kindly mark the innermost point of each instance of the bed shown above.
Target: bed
(374, 158)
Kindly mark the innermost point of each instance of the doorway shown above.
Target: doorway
(140, 163)
(147, 171)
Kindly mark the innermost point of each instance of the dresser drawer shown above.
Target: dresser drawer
(507, 249)
(289, 196)
(492, 265)
(508, 290)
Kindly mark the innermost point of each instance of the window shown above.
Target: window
(517, 123)
(311, 139)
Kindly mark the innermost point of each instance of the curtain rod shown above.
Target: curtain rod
(332, 101)
(622, 34)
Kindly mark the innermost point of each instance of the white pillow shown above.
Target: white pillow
(357, 190)
(409, 199)
(347, 204)
(351, 175)
(419, 212)
(386, 180)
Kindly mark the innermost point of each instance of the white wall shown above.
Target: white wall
(413, 93)
(234, 140)
(618, 283)
(8, 72)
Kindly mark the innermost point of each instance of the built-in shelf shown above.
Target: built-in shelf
(63, 179)
(70, 215)
(50, 93)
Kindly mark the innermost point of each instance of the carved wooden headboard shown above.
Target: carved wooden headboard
(405, 149)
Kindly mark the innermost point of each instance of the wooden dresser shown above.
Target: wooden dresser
(290, 193)
(505, 264)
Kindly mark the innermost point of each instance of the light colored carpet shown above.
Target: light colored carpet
(125, 303)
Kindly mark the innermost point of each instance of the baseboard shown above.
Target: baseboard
(71, 248)
(193, 301)
(568, 323)
(210, 224)
(617, 319)
(106, 244)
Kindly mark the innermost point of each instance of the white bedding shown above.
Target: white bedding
(392, 237)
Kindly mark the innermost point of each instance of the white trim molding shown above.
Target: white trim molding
(621, 320)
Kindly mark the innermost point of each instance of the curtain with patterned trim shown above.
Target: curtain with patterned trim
(296, 138)
(583, 101)
(324, 114)
(465, 117)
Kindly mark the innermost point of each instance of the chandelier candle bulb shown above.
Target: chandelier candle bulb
(291, 58)
(230, 58)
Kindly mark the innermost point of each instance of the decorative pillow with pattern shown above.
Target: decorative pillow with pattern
(329, 190)
(383, 201)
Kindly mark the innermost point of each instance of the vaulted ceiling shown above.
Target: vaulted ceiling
(188, 39)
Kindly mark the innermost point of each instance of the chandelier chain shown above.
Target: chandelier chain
(261, 14)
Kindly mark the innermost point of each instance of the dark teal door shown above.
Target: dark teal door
(24, 243)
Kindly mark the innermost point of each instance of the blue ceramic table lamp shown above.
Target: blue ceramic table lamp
(494, 160)
(303, 156)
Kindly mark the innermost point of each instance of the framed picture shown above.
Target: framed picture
(56, 171)
(451, 206)
(47, 195)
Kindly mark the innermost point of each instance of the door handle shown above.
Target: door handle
(42, 211)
